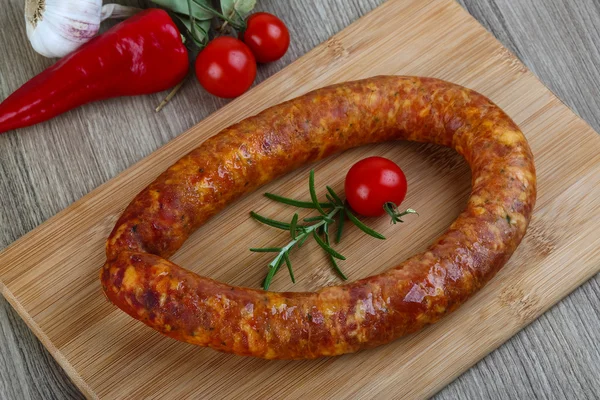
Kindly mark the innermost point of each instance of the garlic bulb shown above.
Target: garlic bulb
(57, 27)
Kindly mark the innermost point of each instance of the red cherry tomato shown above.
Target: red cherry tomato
(226, 67)
(267, 36)
(371, 183)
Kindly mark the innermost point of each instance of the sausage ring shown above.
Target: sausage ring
(140, 280)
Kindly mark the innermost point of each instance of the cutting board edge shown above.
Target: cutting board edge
(64, 363)
(80, 383)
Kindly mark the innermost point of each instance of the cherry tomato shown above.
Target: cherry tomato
(226, 67)
(267, 36)
(372, 182)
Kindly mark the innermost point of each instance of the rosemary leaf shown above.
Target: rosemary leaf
(337, 268)
(313, 192)
(271, 222)
(266, 249)
(331, 258)
(279, 263)
(340, 227)
(286, 256)
(335, 197)
(273, 268)
(327, 248)
(268, 278)
(293, 226)
(363, 227)
(296, 203)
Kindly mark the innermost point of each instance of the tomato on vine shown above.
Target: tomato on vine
(375, 186)
(267, 36)
(226, 67)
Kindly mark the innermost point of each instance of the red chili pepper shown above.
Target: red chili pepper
(141, 55)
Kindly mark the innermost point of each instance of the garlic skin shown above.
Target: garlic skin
(57, 27)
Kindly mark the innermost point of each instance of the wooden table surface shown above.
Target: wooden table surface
(47, 167)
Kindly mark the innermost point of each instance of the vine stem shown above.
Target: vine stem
(193, 24)
(218, 14)
(170, 95)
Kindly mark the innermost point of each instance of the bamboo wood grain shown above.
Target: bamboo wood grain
(50, 275)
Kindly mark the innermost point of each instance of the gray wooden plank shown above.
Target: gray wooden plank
(45, 168)
(557, 356)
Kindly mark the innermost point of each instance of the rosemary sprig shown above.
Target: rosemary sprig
(332, 212)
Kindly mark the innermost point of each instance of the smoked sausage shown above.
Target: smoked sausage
(140, 280)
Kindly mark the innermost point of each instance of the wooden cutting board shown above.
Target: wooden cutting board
(50, 275)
